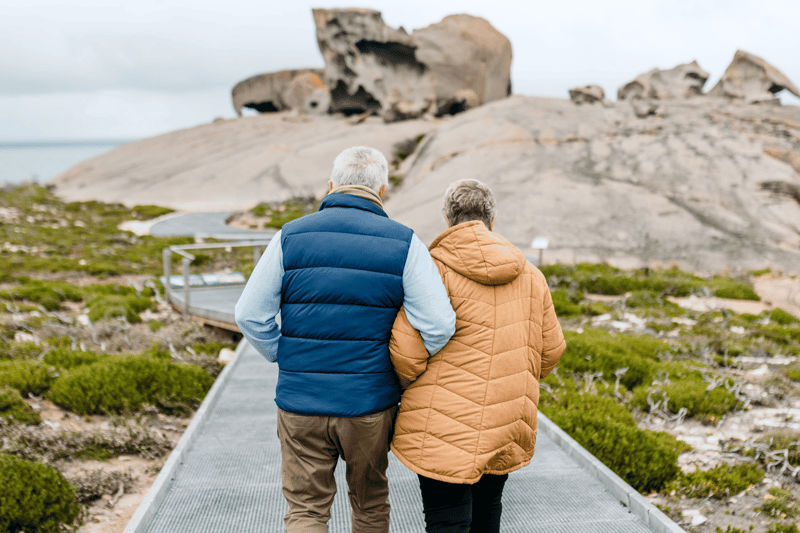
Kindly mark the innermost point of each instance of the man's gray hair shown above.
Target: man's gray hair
(361, 165)
(467, 200)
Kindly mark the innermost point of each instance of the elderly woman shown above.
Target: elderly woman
(468, 415)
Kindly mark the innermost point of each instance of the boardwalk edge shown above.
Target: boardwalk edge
(648, 513)
(147, 509)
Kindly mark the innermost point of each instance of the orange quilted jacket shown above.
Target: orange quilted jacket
(471, 408)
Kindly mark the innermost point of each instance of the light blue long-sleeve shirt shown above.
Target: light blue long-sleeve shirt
(425, 300)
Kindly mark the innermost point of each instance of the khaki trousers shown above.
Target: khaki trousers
(310, 448)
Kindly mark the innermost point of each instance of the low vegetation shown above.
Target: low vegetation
(275, 215)
(35, 498)
(720, 482)
(71, 331)
(126, 383)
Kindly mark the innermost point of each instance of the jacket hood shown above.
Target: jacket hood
(479, 254)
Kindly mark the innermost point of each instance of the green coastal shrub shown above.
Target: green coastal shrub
(127, 382)
(146, 212)
(48, 294)
(117, 305)
(779, 316)
(720, 482)
(28, 377)
(19, 350)
(780, 503)
(645, 459)
(13, 407)
(781, 440)
(64, 358)
(565, 304)
(782, 528)
(731, 288)
(596, 350)
(782, 335)
(605, 279)
(686, 388)
(35, 498)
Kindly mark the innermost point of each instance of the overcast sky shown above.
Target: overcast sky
(89, 69)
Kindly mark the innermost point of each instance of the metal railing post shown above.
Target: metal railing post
(186, 263)
(257, 251)
(167, 254)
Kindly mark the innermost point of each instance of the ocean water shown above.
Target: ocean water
(41, 161)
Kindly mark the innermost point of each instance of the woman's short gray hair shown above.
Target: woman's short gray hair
(361, 165)
(467, 200)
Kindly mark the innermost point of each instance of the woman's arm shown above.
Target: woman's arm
(408, 353)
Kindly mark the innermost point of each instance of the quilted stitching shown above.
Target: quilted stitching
(477, 397)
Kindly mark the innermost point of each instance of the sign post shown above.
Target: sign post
(540, 243)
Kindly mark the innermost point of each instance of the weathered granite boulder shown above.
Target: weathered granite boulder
(590, 94)
(302, 90)
(604, 185)
(470, 60)
(682, 82)
(232, 164)
(750, 79)
(370, 66)
(456, 64)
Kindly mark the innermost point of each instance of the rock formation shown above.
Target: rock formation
(694, 188)
(682, 82)
(302, 90)
(751, 79)
(587, 95)
(456, 64)
(445, 68)
(470, 60)
(370, 66)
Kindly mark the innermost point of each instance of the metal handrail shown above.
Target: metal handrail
(187, 258)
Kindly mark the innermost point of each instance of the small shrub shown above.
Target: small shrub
(720, 482)
(783, 335)
(146, 212)
(21, 350)
(35, 498)
(28, 377)
(13, 407)
(783, 440)
(564, 304)
(48, 445)
(731, 288)
(647, 460)
(48, 294)
(687, 389)
(155, 325)
(780, 503)
(115, 305)
(95, 484)
(128, 382)
(64, 358)
(731, 529)
(779, 316)
(783, 528)
(595, 350)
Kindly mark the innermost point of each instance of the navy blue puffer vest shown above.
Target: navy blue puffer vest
(342, 288)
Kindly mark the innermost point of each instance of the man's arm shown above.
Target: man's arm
(426, 303)
(260, 302)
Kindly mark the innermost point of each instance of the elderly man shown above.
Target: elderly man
(338, 278)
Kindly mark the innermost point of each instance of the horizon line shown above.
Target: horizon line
(55, 143)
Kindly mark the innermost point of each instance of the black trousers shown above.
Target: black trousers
(454, 508)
